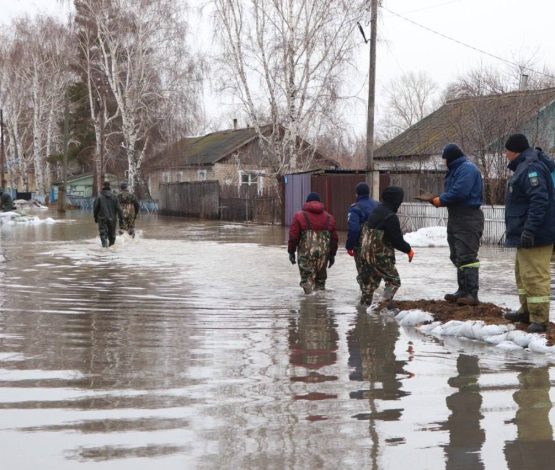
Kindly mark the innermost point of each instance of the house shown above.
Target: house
(80, 185)
(233, 157)
(480, 125)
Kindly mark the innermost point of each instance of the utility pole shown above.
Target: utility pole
(2, 179)
(371, 102)
(62, 188)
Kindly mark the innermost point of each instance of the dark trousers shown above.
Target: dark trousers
(465, 226)
(107, 230)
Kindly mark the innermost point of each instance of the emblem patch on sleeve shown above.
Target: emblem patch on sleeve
(533, 177)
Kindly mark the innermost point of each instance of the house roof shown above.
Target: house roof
(474, 123)
(206, 149)
(209, 149)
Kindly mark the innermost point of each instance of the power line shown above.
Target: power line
(430, 7)
(481, 51)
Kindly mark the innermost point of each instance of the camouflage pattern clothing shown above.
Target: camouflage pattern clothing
(130, 208)
(313, 236)
(380, 236)
(375, 260)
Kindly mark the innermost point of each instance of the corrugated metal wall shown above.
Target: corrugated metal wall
(337, 192)
(296, 188)
(417, 215)
(191, 199)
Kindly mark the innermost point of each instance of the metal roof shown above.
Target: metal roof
(473, 122)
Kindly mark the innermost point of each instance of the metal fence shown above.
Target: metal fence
(414, 216)
(86, 203)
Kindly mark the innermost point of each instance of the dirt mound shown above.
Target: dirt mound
(489, 313)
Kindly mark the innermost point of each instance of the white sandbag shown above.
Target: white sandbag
(437, 331)
(538, 344)
(452, 328)
(402, 314)
(495, 339)
(415, 317)
(428, 327)
(470, 328)
(509, 346)
(519, 337)
(494, 330)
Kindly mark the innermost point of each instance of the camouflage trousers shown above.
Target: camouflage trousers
(313, 270)
(127, 224)
(371, 274)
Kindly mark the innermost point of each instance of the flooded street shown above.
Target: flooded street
(194, 347)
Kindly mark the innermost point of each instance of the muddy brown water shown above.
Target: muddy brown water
(194, 347)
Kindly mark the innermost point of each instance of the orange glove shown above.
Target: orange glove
(411, 255)
(436, 201)
(351, 252)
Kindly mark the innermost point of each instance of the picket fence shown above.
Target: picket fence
(414, 215)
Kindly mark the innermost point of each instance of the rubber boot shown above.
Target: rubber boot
(471, 283)
(104, 242)
(366, 299)
(460, 292)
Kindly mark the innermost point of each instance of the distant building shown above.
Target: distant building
(480, 125)
(233, 157)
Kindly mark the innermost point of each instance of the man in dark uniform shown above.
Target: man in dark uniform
(358, 214)
(530, 227)
(465, 222)
(130, 208)
(106, 209)
(6, 201)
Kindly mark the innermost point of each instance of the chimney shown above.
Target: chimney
(523, 82)
(234, 124)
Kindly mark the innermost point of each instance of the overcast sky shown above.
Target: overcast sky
(511, 29)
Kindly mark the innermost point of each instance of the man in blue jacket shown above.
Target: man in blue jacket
(530, 227)
(465, 222)
(358, 214)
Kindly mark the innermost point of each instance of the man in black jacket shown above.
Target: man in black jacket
(380, 237)
(106, 208)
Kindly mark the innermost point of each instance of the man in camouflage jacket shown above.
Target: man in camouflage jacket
(130, 208)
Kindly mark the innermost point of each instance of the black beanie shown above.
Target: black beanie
(451, 152)
(362, 189)
(517, 143)
(313, 197)
(393, 195)
(106, 185)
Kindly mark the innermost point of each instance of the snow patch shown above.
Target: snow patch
(427, 237)
(15, 217)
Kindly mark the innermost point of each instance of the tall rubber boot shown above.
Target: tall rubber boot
(460, 291)
(471, 282)
(104, 242)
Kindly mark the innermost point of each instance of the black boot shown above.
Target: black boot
(471, 283)
(460, 292)
(104, 242)
(518, 316)
(537, 328)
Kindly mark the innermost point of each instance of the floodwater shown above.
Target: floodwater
(194, 347)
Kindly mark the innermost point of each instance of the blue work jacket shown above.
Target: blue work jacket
(463, 184)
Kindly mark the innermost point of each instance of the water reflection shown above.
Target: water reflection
(534, 448)
(312, 345)
(466, 436)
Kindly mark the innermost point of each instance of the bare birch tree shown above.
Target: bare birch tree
(409, 99)
(140, 53)
(284, 60)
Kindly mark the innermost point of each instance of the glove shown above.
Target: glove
(436, 201)
(331, 261)
(411, 255)
(527, 239)
(425, 196)
(292, 258)
(350, 251)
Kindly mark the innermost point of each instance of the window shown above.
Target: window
(249, 178)
(179, 177)
(202, 175)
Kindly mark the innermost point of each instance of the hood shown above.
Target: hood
(315, 207)
(106, 192)
(543, 157)
(392, 197)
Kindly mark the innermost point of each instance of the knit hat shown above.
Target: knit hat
(313, 197)
(123, 186)
(362, 189)
(451, 152)
(517, 143)
(106, 185)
